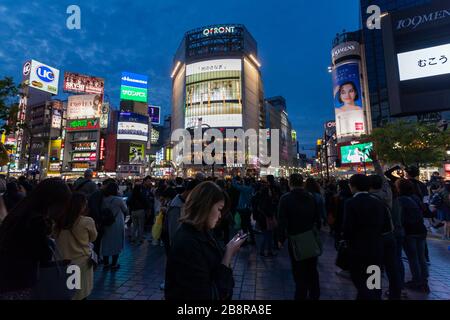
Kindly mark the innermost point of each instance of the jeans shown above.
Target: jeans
(306, 278)
(399, 249)
(138, 220)
(415, 251)
(267, 244)
(392, 266)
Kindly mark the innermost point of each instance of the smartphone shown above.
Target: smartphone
(244, 236)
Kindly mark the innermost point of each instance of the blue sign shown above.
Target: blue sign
(154, 114)
(134, 80)
(45, 74)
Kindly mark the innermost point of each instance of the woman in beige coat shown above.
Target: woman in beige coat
(74, 233)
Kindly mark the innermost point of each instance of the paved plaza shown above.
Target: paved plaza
(257, 278)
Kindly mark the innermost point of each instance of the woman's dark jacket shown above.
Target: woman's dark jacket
(194, 267)
(24, 247)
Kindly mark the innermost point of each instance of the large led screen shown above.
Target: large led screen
(357, 153)
(213, 93)
(423, 63)
(132, 126)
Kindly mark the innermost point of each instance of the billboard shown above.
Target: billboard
(104, 117)
(423, 63)
(133, 87)
(154, 113)
(79, 83)
(56, 118)
(356, 153)
(41, 76)
(132, 126)
(84, 106)
(136, 154)
(348, 103)
(213, 93)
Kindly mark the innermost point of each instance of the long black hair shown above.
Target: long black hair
(47, 201)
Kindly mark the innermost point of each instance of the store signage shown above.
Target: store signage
(132, 93)
(85, 146)
(345, 49)
(102, 149)
(416, 21)
(218, 30)
(41, 76)
(82, 83)
(134, 80)
(83, 124)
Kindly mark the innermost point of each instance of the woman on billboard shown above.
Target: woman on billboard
(348, 104)
(348, 95)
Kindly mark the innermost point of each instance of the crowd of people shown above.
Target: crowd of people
(203, 222)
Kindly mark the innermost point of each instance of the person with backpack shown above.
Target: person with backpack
(113, 215)
(415, 235)
(137, 207)
(86, 185)
(381, 189)
(95, 203)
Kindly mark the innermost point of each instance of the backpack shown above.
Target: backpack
(107, 216)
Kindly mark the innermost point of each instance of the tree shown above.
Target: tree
(411, 143)
(9, 106)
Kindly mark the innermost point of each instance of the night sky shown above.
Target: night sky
(294, 42)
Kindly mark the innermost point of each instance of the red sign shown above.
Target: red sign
(102, 149)
(75, 82)
(110, 156)
(359, 126)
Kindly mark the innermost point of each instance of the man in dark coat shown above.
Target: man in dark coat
(364, 221)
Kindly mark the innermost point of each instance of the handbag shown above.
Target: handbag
(343, 256)
(306, 245)
(52, 279)
(93, 257)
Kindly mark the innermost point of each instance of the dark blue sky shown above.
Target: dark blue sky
(294, 43)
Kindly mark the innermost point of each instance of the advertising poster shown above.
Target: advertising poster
(41, 76)
(136, 154)
(84, 106)
(357, 153)
(104, 117)
(56, 119)
(79, 83)
(348, 101)
(213, 93)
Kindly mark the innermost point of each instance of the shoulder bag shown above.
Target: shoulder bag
(306, 245)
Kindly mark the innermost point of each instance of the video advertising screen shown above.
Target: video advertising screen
(357, 153)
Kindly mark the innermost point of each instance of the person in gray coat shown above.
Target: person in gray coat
(114, 235)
